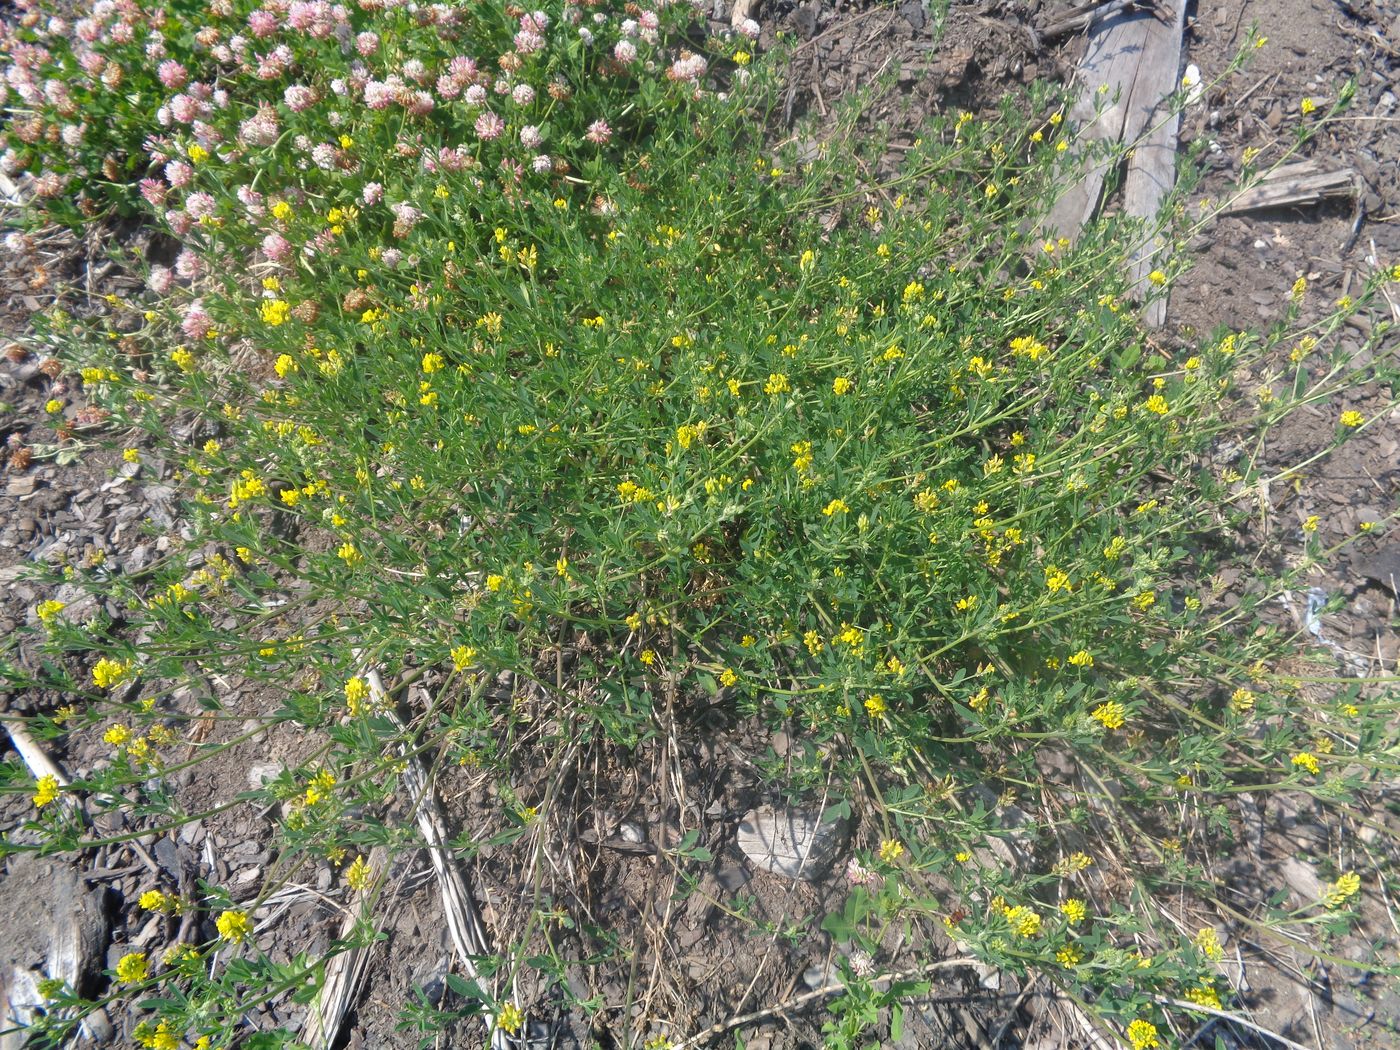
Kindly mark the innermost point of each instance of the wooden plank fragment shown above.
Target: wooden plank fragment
(1152, 164)
(1135, 58)
(1293, 185)
(1111, 61)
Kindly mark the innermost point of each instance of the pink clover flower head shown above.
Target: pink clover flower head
(184, 109)
(523, 94)
(299, 98)
(367, 43)
(530, 137)
(200, 205)
(527, 43)
(689, 67)
(749, 28)
(405, 218)
(372, 194)
(260, 129)
(649, 20)
(207, 134)
(179, 222)
(859, 875)
(188, 265)
(262, 22)
(178, 174)
(625, 52)
(160, 280)
(173, 75)
(599, 132)
(586, 35)
(153, 190)
(542, 164)
(391, 258)
(462, 69)
(48, 185)
(489, 126)
(534, 22)
(323, 155)
(628, 27)
(197, 323)
(380, 94)
(475, 95)
(276, 247)
(419, 103)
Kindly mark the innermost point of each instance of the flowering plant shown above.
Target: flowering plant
(516, 350)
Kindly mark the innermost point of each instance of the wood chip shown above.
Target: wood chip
(1295, 185)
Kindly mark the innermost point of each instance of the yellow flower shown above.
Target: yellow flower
(359, 875)
(1352, 418)
(1203, 995)
(1208, 941)
(131, 455)
(47, 610)
(53, 406)
(1074, 910)
(275, 312)
(1307, 106)
(875, 706)
(107, 674)
(807, 261)
(234, 926)
(46, 790)
(433, 363)
(813, 641)
(728, 678)
(510, 1018)
(891, 850)
(1157, 405)
(1082, 659)
(840, 385)
(1157, 277)
(836, 506)
(462, 657)
(1346, 887)
(348, 553)
(1143, 1035)
(1025, 921)
(777, 384)
(1111, 715)
(133, 968)
(182, 359)
(197, 154)
(647, 656)
(1069, 956)
(356, 693)
(1308, 761)
(117, 735)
